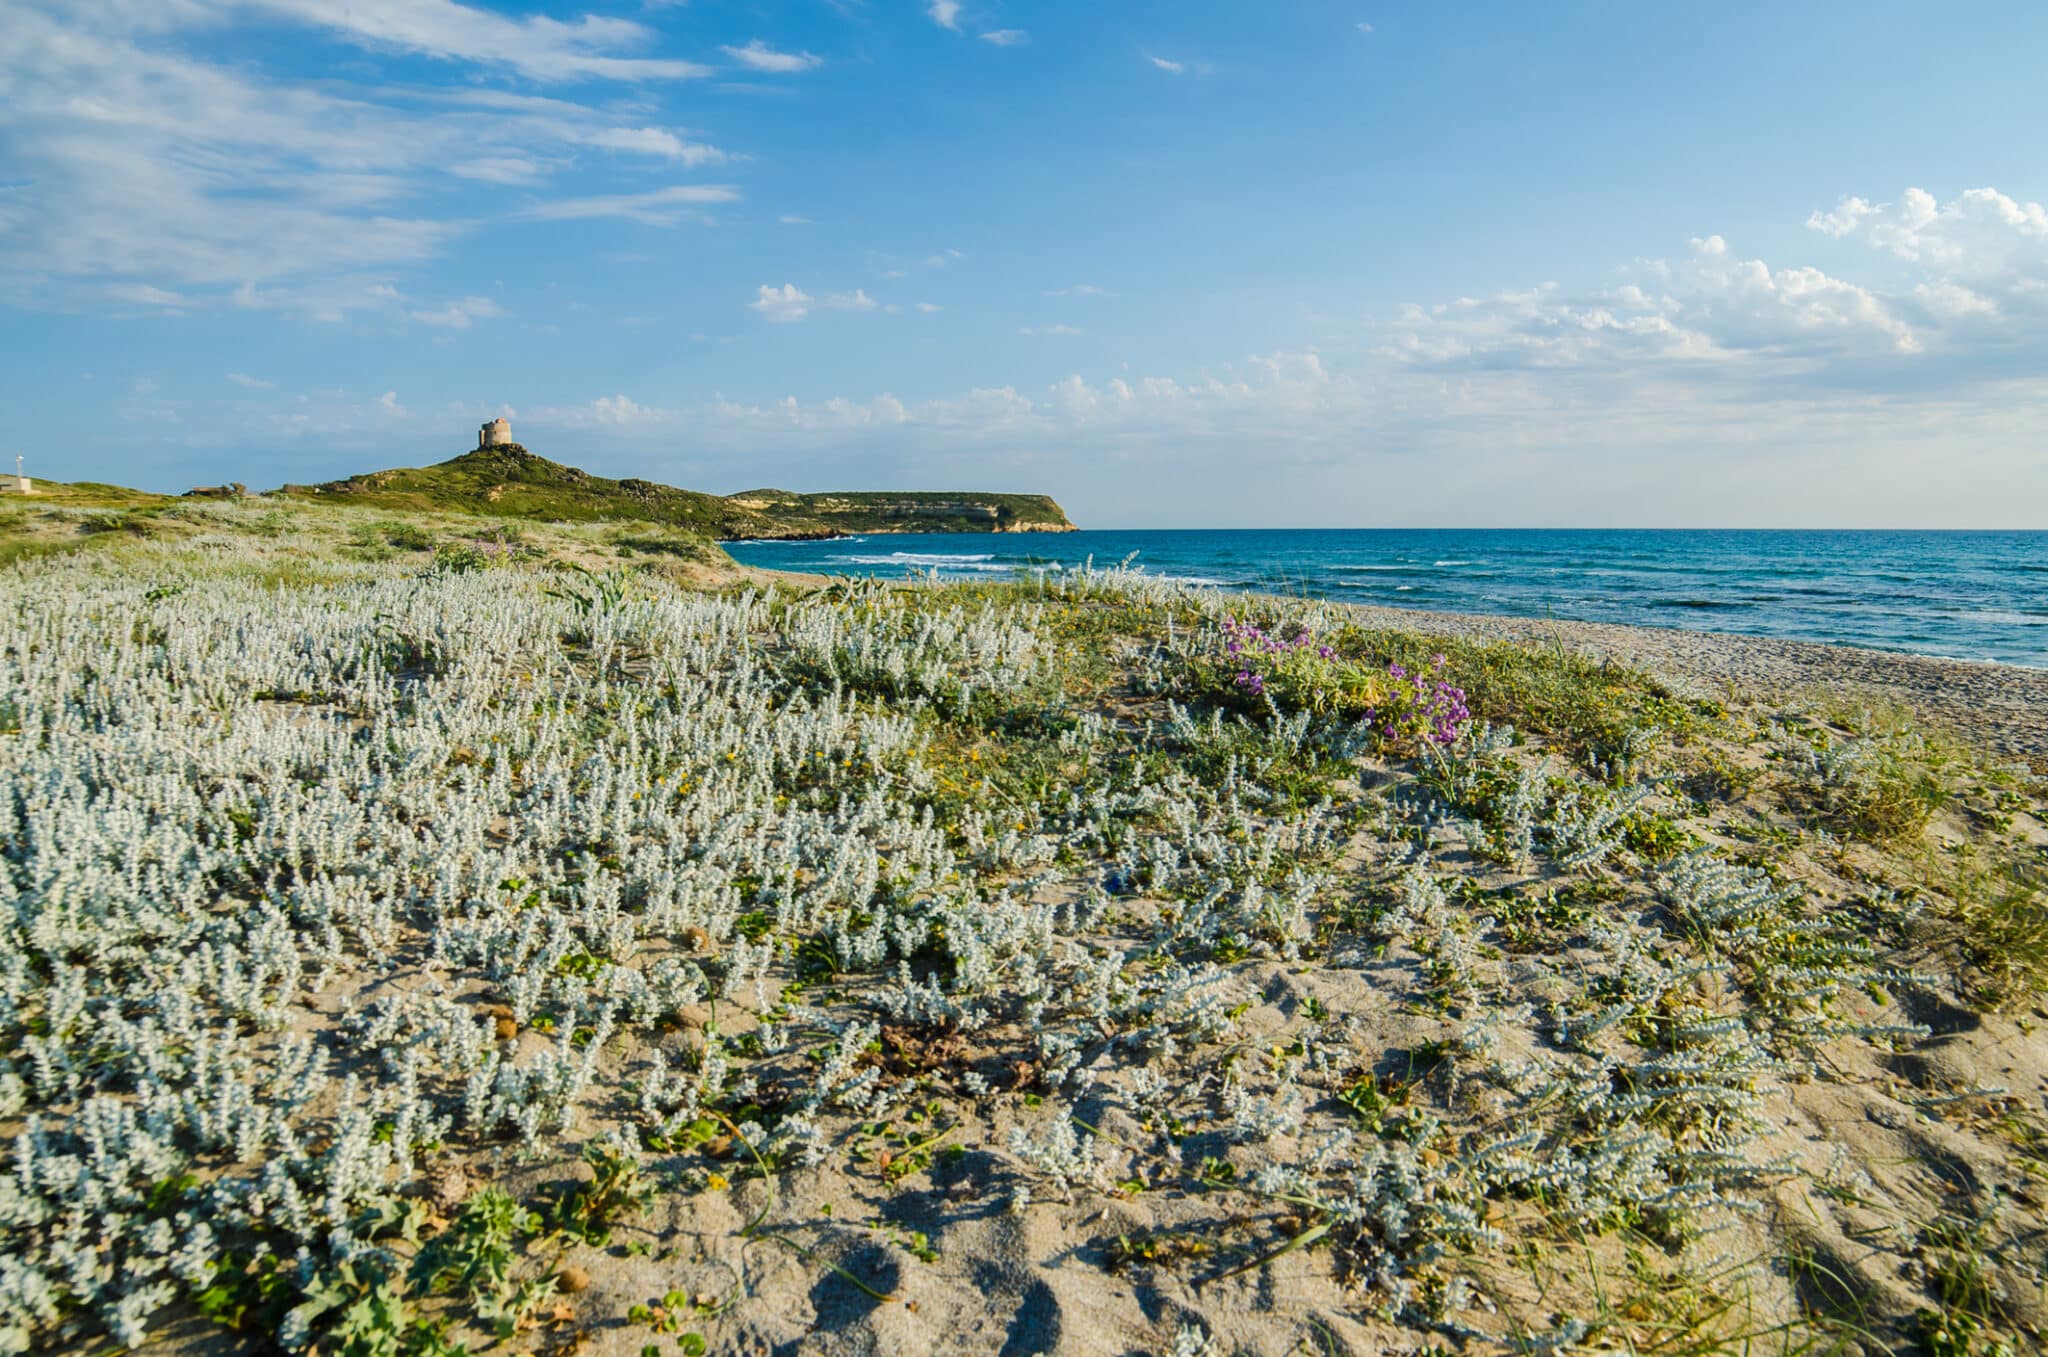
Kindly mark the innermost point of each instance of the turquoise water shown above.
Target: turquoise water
(1963, 595)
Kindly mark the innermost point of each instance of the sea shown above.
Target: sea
(1956, 595)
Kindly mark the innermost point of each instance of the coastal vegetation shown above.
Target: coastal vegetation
(428, 932)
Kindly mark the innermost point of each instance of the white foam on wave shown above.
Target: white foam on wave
(1453, 562)
(921, 558)
(1362, 568)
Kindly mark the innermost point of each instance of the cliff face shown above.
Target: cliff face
(508, 481)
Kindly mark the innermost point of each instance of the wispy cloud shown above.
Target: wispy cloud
(945, 13)
(158, 167)
(1170, 67)
(1048, 330)
(928, 308)
(856, 300)
(660, 207)
(253, 383)
(1006, 37)
(457, 315)
(1081, 290)
(791, 219)
(758, 56)
(143, 294)
(782, 305)
(617, 412)
(539, 47)
(654, 141)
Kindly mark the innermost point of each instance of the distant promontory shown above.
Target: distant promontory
(502, 478)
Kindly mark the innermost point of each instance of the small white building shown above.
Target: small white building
(18, 483)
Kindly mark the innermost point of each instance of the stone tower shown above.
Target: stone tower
(495, 434)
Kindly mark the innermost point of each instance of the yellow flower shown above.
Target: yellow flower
(716, 1182)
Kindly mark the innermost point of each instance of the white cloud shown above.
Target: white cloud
(655, 141)
(458, 315)
(1048, 330)
(253, 383)
(1006, 37)
(945, 13)
(928, 308)
(758, 56)
(1363, 27)
(782, 305)
(388, 403)
(538, 47)
(509, 169)
(661, 207)
(1981, 234)
(157, 164)
(617, 413)
(143, 294)
(1170, 67)
(1081, 290)
(856, 300)
(793, 220)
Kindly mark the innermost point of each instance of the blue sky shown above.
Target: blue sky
(1203, 263)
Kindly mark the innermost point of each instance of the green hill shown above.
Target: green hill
(510, 482)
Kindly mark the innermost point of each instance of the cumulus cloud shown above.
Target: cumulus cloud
(759, 56)
(781, 304)
(1981, 234)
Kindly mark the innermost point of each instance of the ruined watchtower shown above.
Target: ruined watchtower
(495, 434)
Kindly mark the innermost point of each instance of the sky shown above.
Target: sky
(1208, 263)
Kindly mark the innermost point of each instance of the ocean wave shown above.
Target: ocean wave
(1452, 563)
(921, 558)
